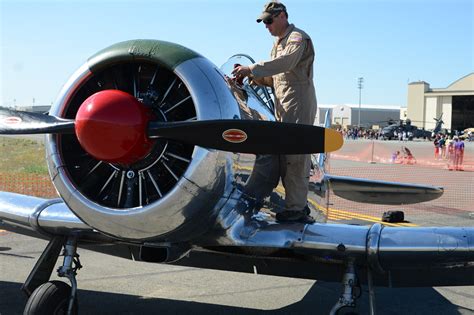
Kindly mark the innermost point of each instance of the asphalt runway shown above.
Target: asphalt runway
(110, 285)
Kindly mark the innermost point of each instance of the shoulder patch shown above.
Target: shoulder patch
(295, 37)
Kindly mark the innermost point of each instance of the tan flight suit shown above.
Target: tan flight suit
(290, 72)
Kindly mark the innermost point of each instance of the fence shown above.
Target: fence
(364, 159)
(375, 160)
(28, 184)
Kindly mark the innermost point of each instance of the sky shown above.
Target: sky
(387, 42)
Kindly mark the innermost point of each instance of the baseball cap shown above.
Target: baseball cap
(270, 9)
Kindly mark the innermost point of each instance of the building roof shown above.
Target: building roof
(466, 83)
(364, 106)
(463, 85)
(418, 82)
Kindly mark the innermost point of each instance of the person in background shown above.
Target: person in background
(442, 146)
(408, 156)
(395, 157)
(458, 154)
(436, 147)
(451, 154)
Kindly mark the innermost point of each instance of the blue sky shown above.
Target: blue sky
(388, 42)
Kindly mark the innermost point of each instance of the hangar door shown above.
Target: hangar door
(463, 112)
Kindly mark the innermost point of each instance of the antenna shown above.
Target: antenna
(360, 81)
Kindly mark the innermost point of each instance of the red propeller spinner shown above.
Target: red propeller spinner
(111, 125)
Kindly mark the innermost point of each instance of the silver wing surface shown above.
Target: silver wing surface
(244, 241)
(381, 192)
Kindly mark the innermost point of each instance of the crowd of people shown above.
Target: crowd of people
(359, 133)
(446, 148)
(371, 134)
(450, 149)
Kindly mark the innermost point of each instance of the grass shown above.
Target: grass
(22, 156)
(23, 168)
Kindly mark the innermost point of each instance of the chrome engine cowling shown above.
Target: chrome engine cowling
(174, 191)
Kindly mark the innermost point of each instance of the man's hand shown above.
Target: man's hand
(241, 72)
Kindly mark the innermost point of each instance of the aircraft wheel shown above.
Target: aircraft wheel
(50, 298)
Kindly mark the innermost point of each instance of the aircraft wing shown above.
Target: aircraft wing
(41, 217)
(258, 244)
(381, 192)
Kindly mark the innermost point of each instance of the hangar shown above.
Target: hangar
(455, 103)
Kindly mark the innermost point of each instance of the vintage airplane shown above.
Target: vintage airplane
(158, 156)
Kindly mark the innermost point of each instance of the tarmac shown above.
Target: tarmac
(372, 159)
(110, 285)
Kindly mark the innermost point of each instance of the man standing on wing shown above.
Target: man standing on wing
(290, 73)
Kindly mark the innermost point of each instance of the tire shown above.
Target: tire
(50, 298)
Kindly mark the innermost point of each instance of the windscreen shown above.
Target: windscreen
(264, 94)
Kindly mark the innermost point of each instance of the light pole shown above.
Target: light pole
(359, 86)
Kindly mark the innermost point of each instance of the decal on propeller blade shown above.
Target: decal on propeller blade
(11, 120)
(234, 135)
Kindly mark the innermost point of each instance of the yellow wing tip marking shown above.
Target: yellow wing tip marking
(332, 140)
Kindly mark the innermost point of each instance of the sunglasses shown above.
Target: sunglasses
(270, 19)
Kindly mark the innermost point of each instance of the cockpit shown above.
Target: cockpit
(245, 89)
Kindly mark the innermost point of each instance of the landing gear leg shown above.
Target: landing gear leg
(348, 297)
(69, 271)
(44, 266)
(371, 292)
(54, 297)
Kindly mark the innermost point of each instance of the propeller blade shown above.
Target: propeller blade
(250, 136)
(13, 122)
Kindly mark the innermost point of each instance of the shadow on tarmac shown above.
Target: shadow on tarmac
(319, 300)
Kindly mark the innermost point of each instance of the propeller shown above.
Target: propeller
(14, 122)
(250, 136)
(113, 126)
